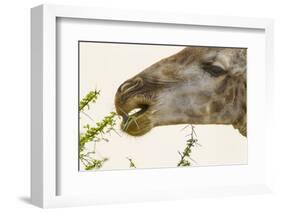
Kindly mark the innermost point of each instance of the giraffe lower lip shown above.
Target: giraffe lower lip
(138, 123)
(137, 132)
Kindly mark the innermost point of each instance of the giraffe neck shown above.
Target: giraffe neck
(241, 125)
(240, 122)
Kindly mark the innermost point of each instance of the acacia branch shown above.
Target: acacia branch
(90, 97)
(185, 155)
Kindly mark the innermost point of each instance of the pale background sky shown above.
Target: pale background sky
(105, 67)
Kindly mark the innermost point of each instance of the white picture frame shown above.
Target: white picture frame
(44, 154)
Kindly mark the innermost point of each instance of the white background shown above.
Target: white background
(15, 98)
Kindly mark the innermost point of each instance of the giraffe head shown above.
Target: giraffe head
(198, 85)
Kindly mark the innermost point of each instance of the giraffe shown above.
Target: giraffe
(197, 85)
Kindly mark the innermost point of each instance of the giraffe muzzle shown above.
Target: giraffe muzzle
(133, 104)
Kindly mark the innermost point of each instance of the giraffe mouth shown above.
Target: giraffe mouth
(136, 121)
(134, 102)
(136, 112)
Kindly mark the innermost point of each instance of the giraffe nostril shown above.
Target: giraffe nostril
(131, 85)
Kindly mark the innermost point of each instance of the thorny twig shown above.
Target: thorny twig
(90, 97)
(94, 134)
(132, 164)
(185, 155)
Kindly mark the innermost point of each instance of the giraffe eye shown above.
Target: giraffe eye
(214, 70)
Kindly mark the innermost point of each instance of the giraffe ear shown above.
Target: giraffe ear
(240, 63)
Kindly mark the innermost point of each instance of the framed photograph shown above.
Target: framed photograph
(129, 106)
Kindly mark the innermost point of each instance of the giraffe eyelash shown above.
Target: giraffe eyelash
(213, 70)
